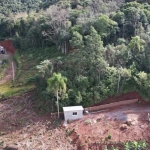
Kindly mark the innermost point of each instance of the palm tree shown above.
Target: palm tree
(57, 84)
(135, 46)
(136, 43)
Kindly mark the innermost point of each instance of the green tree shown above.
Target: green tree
(94, 54)
(136, 43)
(104, 26)
(77, 40)
(45, 68)
(57, 84)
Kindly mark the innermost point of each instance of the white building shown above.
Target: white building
(73, 112)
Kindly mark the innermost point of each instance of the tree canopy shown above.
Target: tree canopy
(104, 45)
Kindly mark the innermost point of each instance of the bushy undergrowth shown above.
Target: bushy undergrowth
(19, 65)
(141, 145)
(132, 145)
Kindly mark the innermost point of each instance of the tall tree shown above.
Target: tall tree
(104, 25)
(58, 27)
(136, 43)
(94, 54)
(57, 84)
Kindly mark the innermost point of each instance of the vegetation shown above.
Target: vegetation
(141, 145)
(102, 48)
(7, 90)
(57, 84)
(77, 52)
(109, 136)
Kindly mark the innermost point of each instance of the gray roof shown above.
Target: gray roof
(72, 108)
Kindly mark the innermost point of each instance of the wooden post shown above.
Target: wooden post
(13, 73)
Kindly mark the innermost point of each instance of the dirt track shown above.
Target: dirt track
(8, 73)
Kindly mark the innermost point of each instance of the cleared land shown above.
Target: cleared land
(23, 128)
(124, 123)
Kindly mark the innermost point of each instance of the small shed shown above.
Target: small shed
(73, 112)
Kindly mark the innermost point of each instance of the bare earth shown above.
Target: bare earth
(126, 123)
(23, 128)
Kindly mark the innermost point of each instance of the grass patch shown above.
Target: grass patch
(19, 65)
(2, 67)
(1, 72)
(29, 59)
(7, 90)
(26, 62)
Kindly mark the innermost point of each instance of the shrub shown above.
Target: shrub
(86, 141)
(40, 83)
(30, 80)
(42, 102)
(141, 145)
(88, 122)
(109, 137)
(68, 131)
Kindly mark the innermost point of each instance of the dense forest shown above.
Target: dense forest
(104, 45)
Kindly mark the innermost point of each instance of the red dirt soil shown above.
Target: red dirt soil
(92, 131)
(8, 45)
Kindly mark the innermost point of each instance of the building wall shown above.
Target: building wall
(69, 115)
